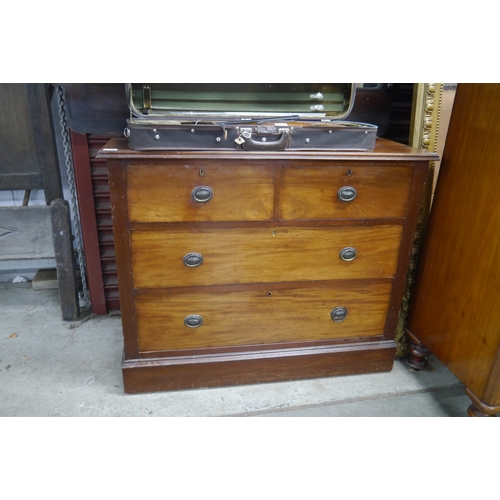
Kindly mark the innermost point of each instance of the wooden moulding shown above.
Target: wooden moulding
(215, 370)
(88, 220)
(480, 409)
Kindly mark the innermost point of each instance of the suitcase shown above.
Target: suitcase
(250, 117)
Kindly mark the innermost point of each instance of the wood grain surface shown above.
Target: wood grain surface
(162, 193)
(259, 316)
(259, 255)
(455, 311)
(312, 192)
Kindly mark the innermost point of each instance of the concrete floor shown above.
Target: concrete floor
(52, 368)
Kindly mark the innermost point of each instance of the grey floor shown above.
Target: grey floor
(52, 368)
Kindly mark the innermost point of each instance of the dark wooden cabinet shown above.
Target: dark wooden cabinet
(455, 311)
(239, 267)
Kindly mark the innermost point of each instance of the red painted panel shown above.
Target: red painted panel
(91, 178)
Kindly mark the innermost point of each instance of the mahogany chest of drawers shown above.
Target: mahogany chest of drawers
(239, 268)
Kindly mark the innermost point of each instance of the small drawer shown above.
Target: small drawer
(340, 192)
(200, 191)
(260, 316)
(179, 257)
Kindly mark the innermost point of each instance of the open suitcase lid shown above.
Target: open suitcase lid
(191, 102)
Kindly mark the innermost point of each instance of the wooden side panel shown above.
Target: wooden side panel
(25, 233)
(102, 202)
(88, 221)
(241, 192)
(259, 316)
(118, 186)
(455, 311)
(312, 192)
(258, 255)
(405, 249)
(92, 183)
(491, 393)
(27, 143)
(63, 247)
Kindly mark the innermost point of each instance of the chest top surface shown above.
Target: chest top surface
(117, 148)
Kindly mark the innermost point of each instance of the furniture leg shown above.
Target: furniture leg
(418, 355)
(478, 408)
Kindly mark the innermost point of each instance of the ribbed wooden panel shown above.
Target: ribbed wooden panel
(100, 184)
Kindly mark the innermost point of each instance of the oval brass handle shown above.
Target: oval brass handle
(338, 314)
(348, 253)
(202, 194)
(347, 193)
(193, 321)
(193, 259)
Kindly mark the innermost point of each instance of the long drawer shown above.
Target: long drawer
(263, 315)
(343, 191)
(200, 191)
(183, 257)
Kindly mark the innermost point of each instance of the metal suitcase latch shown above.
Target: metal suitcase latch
(266, 129)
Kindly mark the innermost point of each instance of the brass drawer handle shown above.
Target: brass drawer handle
(193, 259)
(202, 194)
(193, 321)
(338, 314)
(348, 254)
(347, 193)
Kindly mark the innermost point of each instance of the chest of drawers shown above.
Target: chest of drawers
(239, 268)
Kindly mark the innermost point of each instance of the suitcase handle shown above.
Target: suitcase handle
(279, 145)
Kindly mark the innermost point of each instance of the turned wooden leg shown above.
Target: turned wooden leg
(418, 353)
(478, 408)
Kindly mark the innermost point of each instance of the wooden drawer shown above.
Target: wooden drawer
(262, 315)
(164, 193)
(312, 192)
(262, 255)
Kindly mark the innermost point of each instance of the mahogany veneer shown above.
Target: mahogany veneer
(249, 286)
(455, 311)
